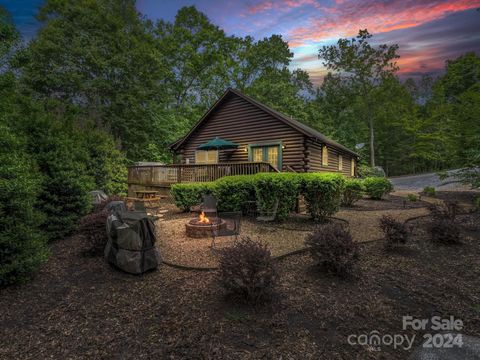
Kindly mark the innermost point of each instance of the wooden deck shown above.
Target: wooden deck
(165, 175)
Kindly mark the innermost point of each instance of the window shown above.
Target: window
(340, 162)
(206, 156)
(352, 167)
(324, 155)
(257, 154)
(267, 153)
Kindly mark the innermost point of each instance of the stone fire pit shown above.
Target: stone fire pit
(195, 228)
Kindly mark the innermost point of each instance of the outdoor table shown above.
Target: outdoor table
(146, 194)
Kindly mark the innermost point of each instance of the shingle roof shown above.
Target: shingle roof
(306, 130)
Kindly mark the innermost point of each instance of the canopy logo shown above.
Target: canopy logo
(374, 340)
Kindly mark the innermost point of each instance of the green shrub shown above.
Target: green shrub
(322, 193)
(61, 159)
(234, 192)
(332, 247)
(377, 187)
(412, 197)
(22, 246)
(247, 272)
(272, 186)
(187, 195)
(105, 163)
(365, 171)
(429, 190)
(354, 190)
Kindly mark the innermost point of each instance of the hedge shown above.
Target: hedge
(234, 192)
(187, 195)
(354, 190)
(322, 193)
(377, 187)
(271, 186)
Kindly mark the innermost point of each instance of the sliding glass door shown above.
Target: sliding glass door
(267, 153)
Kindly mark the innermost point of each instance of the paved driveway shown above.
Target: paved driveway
(418, 182)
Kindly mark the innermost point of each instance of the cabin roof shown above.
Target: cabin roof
(297, 125)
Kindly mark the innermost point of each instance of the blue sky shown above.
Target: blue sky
(428, 32)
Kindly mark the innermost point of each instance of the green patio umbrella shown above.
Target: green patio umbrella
(217, 144)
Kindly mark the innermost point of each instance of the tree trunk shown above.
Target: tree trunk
(372, 142)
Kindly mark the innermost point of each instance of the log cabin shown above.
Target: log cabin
(261, 134)
(250, 137)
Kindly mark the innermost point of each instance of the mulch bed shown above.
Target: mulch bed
(389, 202)
(463, 197)
(80, 307)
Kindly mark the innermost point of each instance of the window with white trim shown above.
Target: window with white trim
(206, 156)
(340, 162)
(352, 167)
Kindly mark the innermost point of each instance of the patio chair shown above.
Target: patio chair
(209, 205)
(269, 215)
(232, 228)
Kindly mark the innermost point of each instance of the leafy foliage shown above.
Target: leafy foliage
(322, 193)
(247, 272)
(395, 232)
(234, 192)
(332, 247)
(353, 191)
(282, 188)
(429, 190)
(376, 187)
(22, 246)
(190, 194)
(412, 197)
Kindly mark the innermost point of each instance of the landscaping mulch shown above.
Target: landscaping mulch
(80, 307)
(389, 202)
(465, 198)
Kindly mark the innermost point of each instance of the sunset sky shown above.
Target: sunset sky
(428, 32)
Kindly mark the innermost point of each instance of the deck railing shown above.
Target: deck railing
(170, 174)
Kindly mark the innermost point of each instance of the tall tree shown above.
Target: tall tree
(364, 67)
(98, 56)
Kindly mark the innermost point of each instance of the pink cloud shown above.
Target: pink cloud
(348, 16)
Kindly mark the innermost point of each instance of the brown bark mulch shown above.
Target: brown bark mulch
(80, 307)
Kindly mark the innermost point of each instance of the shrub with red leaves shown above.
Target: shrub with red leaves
(332, 247)
(444, 229)
(93, 229)
(247, 271)
(395, 232)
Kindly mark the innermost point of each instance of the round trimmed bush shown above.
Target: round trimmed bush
(333, 248)
(247, 272)
(377, 187)
(322, 193)
(354, 190)
(187, 195)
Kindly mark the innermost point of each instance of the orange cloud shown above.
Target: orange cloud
(347, 17)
